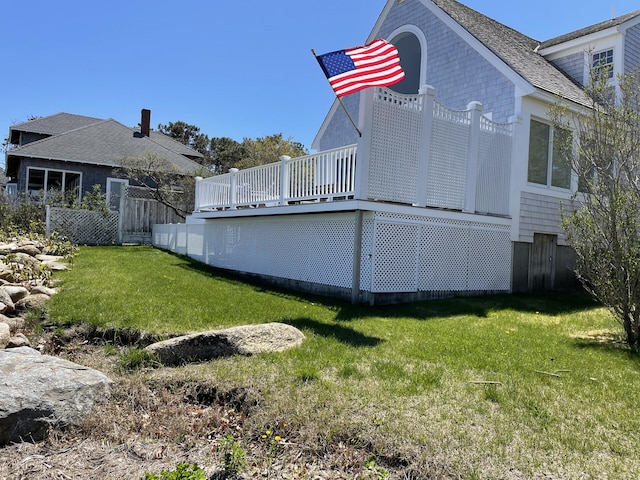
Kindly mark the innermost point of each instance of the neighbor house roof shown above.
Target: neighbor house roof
(517, 50)
(106, 143)
(51, 125)
(598, 27)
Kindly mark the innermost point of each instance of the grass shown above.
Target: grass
(406, 384)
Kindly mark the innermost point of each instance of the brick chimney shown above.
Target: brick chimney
(145, 122)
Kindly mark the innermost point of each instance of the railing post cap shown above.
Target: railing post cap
(234, 170)
(427, 90)
(475, 105)
(285, 158)
(198, 178)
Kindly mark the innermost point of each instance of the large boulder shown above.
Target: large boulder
(5, 335)
(243, 340)
(38, 391)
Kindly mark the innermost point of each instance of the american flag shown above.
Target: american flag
(375, 64)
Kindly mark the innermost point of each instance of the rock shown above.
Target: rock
(5, 335)
(5, 298)
(3, 308)
(244, 340)
(7, 248)
(18, 340)
(32, 302)
(42, 289)
(28, 248)
(25, 258)
(39, 391)
(16, 292)
(15, 323)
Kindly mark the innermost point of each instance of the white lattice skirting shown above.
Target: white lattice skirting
(399, 253)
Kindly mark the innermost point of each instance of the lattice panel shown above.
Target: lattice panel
(489, 253)
(396, 257)
(84, 227)
(395, 149)
(494, 169)
(452, 255)
(447, 171)
(444, 258)
(298, 248)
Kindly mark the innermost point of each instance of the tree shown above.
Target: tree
(269, 149)
(225, 153)
(189, 135)
(604, 226)
(168, 186)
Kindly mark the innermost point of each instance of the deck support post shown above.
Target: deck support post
(357, 258)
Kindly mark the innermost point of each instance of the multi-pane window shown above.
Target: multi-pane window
(548, 163)
(46, 180)
(602, 62)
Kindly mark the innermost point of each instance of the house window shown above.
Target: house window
(602, 62)
(548, 164)
(45, 181)
(410, 53)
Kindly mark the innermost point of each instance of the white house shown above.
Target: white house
(454, 186)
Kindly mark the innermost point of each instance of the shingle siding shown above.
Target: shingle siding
(340, 131)
(459, 74)
(632, 49)
(573, 66)
(541, 214)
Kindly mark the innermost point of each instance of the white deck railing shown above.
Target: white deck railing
(413, 151)
(320, 176)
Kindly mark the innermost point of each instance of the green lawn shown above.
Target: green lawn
(405, 381)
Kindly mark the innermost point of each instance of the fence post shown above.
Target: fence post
(284, 179)
(122, 211)
(475, 112)
(428, 98)
(48, 220)
(196, 195)
(233, 186)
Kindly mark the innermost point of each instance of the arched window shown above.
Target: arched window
(410, 50)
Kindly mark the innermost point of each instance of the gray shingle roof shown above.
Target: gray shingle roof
(515, 49)
(614, 22)
(106, 143)
(55, 124)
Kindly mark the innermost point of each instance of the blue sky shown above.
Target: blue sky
(233, 68)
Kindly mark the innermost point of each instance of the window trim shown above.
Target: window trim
(46, 180)
(550, 159)
(598, 66)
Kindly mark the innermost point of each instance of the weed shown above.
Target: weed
(133, 359)
(234, 456)
(373, 471)
(183, 471)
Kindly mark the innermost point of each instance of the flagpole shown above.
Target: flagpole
(341, 102)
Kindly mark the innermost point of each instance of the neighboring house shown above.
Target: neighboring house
(454, 186)
(72, 153)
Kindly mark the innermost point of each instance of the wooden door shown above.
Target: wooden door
(542, 262)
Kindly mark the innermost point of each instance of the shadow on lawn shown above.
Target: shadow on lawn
(544, 303)
(341, 333)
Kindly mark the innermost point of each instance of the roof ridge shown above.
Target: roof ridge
(594, 28)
